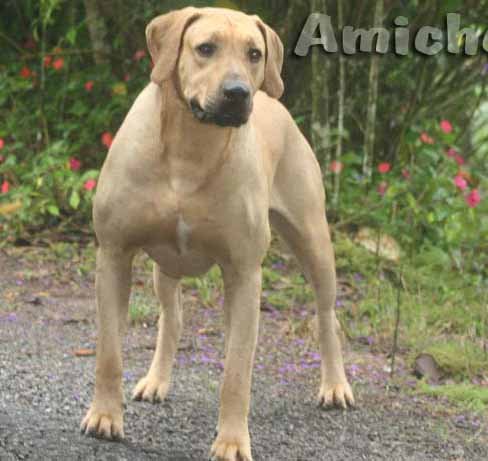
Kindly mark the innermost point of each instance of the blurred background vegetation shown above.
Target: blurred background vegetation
(402, 141)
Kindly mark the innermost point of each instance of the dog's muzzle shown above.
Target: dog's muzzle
(232, 108)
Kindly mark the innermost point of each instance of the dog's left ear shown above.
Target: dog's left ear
(164, 36)
(273, 84)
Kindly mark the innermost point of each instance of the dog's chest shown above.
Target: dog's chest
(183, 232)
(179, 245)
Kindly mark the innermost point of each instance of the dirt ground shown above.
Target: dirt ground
(47, 338)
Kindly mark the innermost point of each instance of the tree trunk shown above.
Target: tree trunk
(374, 70)
(340, 111)
(98, 31)
(320, 128)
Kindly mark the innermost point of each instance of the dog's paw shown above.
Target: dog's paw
(107, 425)
(231, 449)
(151, 389)
(336, 395)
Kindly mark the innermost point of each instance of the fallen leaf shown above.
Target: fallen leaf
(85, 352)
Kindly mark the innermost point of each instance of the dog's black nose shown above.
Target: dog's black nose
(236, 92)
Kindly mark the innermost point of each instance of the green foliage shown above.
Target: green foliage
(472, 397)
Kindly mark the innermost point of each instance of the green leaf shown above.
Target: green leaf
(71, 36)
(74, 200)
(53, 209)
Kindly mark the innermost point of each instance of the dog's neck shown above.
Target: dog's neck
(193, 152)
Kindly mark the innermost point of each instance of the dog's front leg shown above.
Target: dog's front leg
(113, 278)
(242, 299)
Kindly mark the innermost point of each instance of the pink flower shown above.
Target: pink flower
(384, 167)
(5, 187)
(451, 152)
(460, 160)
(139, 54)
(25, 72)
(336, 167)
(2, 143)
(89, 85)
(107, 139)
(58, 64)
(473, 199)
(460, 182)
(426, 139)
(90, 184)
(74, 164)
(406, 174)
(446, 126)
(382, 188)
(126, 77)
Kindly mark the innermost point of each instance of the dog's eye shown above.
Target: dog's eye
(255, 55)
(206, 49)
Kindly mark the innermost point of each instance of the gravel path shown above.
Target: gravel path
(47, 314)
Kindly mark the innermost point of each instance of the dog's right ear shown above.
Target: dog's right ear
(164, 36)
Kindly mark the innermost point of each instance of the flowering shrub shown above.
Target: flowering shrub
(62, 113)
(433, 196)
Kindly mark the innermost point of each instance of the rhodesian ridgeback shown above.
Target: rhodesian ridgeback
(205, 161)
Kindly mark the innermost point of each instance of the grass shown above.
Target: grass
(474, 398)
(142, 308)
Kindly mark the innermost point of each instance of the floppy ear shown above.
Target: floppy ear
(164, 36)
(273, 84)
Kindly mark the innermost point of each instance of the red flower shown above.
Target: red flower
(406, 174)
(336, 167)
(74, 164)
(473, 199)
(5, 187)
(426, 139)
(107, 139)
(384, 167)
(460, 182)
(25, 72)
(47, 61)
(460, 160)
(446, 126)
(89, 85)
(90, 184)
(139, 54)
(451, 152)
(2, 143)
(58, 64)
(382, 188)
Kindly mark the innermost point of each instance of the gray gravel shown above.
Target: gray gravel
(45, 390)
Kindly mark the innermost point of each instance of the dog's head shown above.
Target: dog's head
(218, 58)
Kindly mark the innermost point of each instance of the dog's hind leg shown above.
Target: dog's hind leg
(154, 386)
(298, 215)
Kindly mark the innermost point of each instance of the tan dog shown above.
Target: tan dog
(201, 166)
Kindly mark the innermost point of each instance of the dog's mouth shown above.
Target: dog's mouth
(220, 115)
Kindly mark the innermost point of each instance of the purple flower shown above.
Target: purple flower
(280, 265)
(358, 277)
(314, 356)
(206, 359)
(339, 303)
